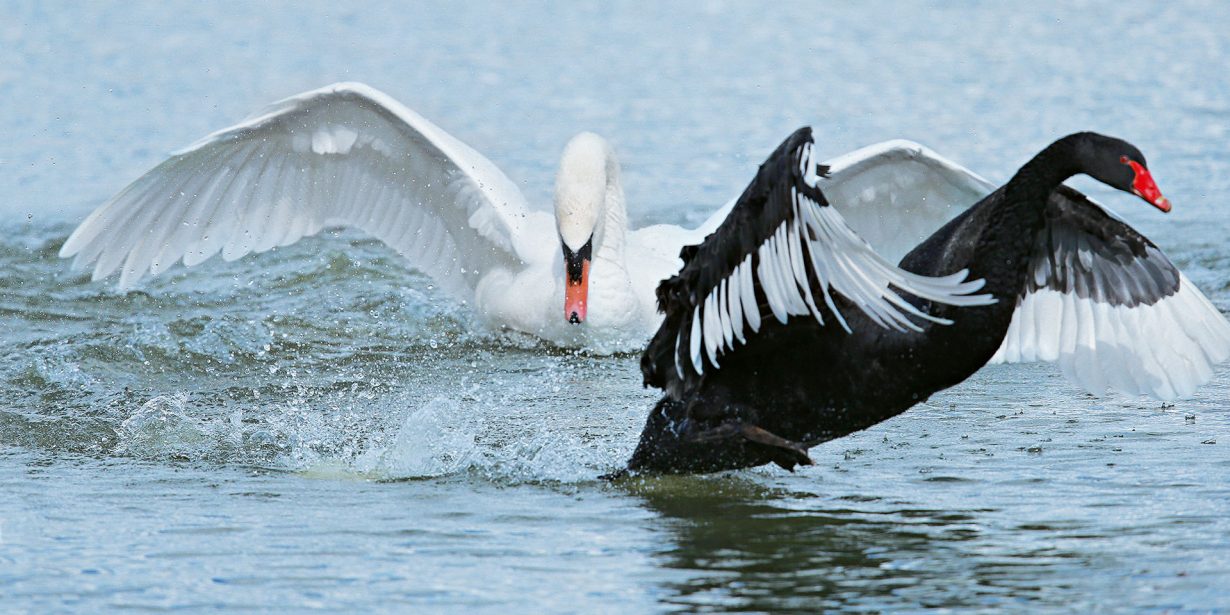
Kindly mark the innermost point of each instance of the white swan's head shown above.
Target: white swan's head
(580, 209)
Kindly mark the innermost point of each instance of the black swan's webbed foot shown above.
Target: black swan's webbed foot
(783, 452)
(616, 475)
(677, 441)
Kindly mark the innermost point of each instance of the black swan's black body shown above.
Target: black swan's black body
(791, 386)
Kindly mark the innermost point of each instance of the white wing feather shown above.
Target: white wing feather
(1165, 350)
(897, 193)
(343, 155)
(893, 194)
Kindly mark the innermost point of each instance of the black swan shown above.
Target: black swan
(780, 331)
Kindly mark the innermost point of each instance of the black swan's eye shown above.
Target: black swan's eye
(1123, 159)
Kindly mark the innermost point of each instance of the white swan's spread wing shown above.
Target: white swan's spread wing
(782, 252)
(1108, 306)
(897, 193)
(343, 155)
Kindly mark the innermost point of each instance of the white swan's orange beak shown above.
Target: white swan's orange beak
(576, 295)
(576, 278)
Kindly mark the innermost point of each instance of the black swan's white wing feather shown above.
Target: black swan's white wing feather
(1110, 308)
(894, 194)
(343, 155)
(782, 252)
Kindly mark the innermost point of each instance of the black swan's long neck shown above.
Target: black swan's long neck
(1002, 253)
(995, 241)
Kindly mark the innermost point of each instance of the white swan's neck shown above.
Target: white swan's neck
(613, 234)
(589, 199)
(593, 224)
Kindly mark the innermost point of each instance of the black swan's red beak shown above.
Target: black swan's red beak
(1144, 187)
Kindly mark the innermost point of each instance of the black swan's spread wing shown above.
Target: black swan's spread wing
(780, 253)
(1104, 301)
(1108, 306)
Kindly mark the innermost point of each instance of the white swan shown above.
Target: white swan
(350, 155)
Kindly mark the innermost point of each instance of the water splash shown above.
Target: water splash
(164, 427)
(434, 440)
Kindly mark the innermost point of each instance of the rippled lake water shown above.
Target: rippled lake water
(317, 427)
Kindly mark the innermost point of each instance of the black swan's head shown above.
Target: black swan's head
(1118, 164)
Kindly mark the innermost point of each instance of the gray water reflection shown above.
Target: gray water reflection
(741, 546)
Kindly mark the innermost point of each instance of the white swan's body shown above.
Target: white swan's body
(624, 268)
